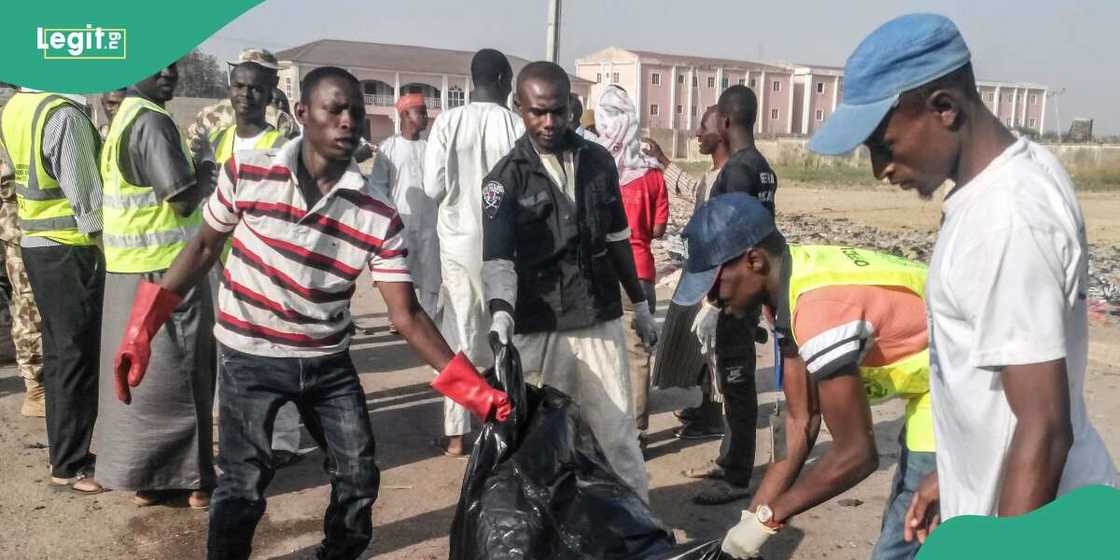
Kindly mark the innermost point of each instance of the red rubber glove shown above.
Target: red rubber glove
(460, 382)
(150, 310)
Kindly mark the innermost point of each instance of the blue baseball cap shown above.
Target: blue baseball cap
(902, 54)
(720, 231)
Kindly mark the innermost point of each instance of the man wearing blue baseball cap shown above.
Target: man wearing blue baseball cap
(1007, 280)
(852, 329)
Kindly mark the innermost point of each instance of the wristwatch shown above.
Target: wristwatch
(764, 514)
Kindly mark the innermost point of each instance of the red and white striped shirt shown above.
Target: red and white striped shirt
(290, 275)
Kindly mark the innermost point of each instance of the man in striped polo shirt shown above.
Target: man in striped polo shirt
(304, 221)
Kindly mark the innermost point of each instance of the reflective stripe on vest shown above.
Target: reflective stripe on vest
(815, 267)
(223, 141)
(44, 210)
(142, 233)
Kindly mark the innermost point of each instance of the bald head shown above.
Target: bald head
(739, 106)
(547, 74)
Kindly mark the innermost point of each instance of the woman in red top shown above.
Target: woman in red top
(647, 210)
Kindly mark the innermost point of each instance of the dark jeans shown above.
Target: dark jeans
(333, 406)
(69, 284)
(735, 359)
(913, 467)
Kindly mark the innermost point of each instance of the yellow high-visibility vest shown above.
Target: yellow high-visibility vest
(816, 266)
(223, 140)
(44, 209)
(142, 233)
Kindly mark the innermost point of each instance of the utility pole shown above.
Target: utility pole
(1057, 112)
(552, 41)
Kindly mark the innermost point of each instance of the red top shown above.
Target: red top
(647, 204)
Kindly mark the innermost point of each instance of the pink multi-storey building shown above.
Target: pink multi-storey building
(1017, 104)
(671, 92)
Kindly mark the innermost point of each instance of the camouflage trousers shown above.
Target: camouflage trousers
(25, 316)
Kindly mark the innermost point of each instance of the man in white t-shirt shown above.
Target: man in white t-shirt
(1007, 282)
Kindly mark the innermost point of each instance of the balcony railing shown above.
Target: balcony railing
(379, 100)
(433, 103)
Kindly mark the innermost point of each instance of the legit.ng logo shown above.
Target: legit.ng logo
(88, 43)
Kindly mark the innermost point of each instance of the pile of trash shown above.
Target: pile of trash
(1104, 261)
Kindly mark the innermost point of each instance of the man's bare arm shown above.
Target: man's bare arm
(195, 260)
(414, 324)
(1039, 397)
(852, 456)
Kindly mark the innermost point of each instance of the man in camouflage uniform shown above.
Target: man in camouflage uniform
(220, 115)
(205, 136)
(25, 315)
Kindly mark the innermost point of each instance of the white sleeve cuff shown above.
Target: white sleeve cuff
(499, 281)
(621, 235)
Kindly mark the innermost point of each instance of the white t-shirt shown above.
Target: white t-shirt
(250, 143)
(1007, 286)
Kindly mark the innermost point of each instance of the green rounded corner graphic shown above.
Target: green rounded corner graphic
(81, 47)
(1080, 525)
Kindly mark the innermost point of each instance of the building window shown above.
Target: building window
(655, 78)
(654, 110)
(774, 113)
(989, 96)
(820, 115)
(820, 87)
(455, 97)
(680, 79)
(288, 87)
(724, 83)
(777, 85)
(742, 82)
(1032, 122)
(680, 109)
(711, 82)
(754, 83)
(693, 110)
(614, 78)
(1008, 121)
(695, 81)
(598, 77)
(1034, 100)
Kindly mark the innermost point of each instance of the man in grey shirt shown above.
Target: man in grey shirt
(160, 444)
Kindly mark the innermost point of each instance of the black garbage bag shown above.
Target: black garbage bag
(538, 486)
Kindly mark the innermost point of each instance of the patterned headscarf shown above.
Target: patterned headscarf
(616, 121)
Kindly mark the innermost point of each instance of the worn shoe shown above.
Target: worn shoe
(696, 431)
(282, 458)
(34, 403)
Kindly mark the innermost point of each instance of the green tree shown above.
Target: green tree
(201, 75)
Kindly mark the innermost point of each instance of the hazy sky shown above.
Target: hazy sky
(1063, 44)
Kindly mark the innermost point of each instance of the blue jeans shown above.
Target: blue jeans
(333, 406)
(913, 466)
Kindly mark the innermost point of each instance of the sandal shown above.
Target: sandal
(149, 498)
(719, 493)
(82, 483)
(442, 443)
(710, 471)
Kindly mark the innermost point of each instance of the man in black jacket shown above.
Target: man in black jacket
(555, 248)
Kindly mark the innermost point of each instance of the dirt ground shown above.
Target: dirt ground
(419, 486)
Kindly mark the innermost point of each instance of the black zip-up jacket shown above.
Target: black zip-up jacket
(565, 279)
